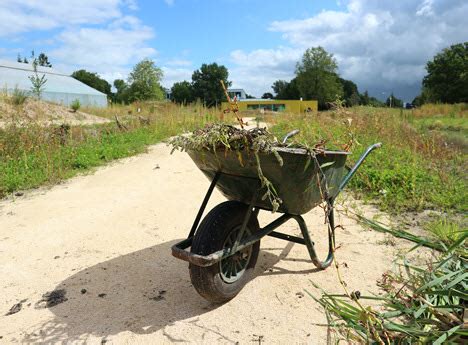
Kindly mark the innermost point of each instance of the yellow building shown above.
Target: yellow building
(290, 106)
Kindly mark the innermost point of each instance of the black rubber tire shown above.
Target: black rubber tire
(210, 237)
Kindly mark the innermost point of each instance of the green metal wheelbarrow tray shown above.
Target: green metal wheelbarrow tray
(224, 246)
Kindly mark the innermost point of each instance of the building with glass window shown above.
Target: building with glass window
(59, 87)
(279, 105)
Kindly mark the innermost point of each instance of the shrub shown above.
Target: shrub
(75, 105)
(18, 97)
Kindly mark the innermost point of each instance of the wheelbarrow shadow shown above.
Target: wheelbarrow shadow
(140, 292)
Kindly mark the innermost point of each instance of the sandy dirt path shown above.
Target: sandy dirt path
(105, 239)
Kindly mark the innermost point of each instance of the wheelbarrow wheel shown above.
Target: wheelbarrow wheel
(219, 229)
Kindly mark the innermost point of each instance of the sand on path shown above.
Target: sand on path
(105, 239)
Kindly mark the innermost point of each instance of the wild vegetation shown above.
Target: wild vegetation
(416, 170)
(421, 304)
(32, 155)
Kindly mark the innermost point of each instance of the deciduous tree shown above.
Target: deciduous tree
(206, 83)
(350, 92)
(93, 80)
(121, 94)
(447, 75)
(286, 90)
(43, 60)
(317, 77)
(145, 82)
(182, 92)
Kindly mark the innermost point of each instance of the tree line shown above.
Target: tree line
(143, 83)
(316, 77)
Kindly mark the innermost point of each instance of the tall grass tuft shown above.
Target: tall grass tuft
(421, 305)
(18, 97)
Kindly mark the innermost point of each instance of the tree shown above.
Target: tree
(93, 80)
(317, 78)
(393, 102)
(43, 60)
(121, 96)
(37, 82)
(364, 98)
(206, 83)
(21, 60)
(267, 95)
(144, 81)
(350, 92)
(279, 87)
(423, 98)
(182, 92)
(447, 75)
(286, 90)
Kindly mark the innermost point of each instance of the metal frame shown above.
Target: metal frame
(180, 251)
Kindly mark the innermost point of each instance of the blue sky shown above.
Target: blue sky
(381, 45)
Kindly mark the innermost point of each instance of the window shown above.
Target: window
(270, 107)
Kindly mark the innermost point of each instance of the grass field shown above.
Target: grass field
(416, 169)
(34, 155)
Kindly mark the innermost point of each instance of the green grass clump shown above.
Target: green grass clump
(421, 304)
(75, 105)
(446, 229)
(18, 97)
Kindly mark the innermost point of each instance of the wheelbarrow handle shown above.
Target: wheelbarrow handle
(356, 166)
(289, 135)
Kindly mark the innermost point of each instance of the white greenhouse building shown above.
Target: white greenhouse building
(59, 88)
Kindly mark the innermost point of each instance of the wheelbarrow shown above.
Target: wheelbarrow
(222, 249)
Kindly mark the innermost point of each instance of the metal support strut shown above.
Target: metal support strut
(179, 249)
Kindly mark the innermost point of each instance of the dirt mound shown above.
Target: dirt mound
(45, 113)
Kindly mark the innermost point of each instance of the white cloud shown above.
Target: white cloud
(381, 45)
(93, 34)
(257, 70)
(17, 16)
(169, 2)
(175, 74)
(100, 51)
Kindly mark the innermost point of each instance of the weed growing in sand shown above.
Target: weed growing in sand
(75, 105)
(446, 229)
(421, 304)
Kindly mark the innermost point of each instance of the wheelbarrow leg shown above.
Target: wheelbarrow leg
(248, 214)
(310, 245)
(203, 205)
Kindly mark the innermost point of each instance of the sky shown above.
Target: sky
(382, 46)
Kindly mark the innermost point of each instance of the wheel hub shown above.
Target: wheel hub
(234, 266)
